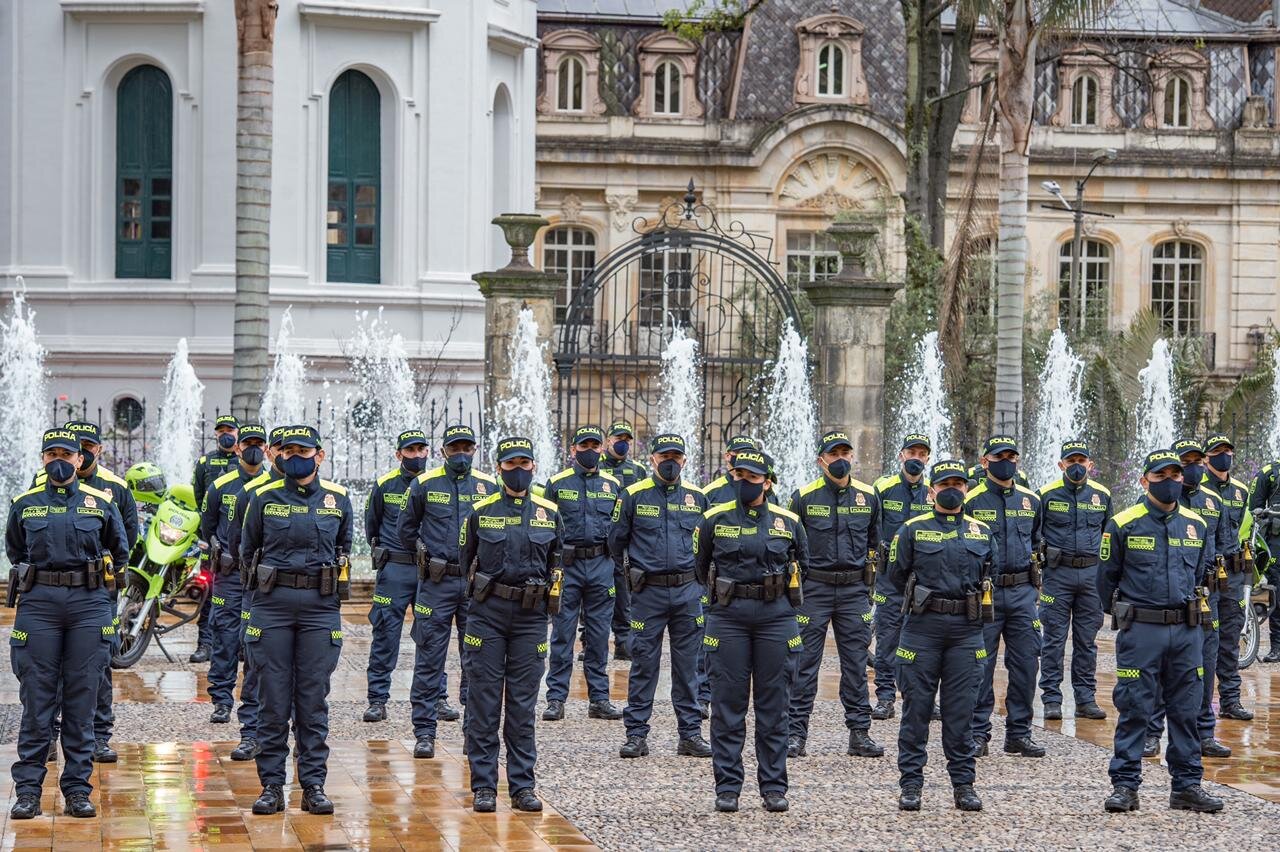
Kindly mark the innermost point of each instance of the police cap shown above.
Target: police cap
(738, 443)
(252, 430)
(1074, 447)
(85, 431)
(588, 433)
(225, 421)
(667, 442)
(916, 439)
(276, 436)
(459, 432)
(1159, 460)
(831, 440)
(1187, 445)
(515, 448)
(752, 460)
(997, 444)
(409, 438)
(59, 439)
(947, 469)
(299, 436)
(621, 427)
(1215, 442)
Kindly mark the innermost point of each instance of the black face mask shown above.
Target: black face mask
(226, 440)
(414, 465)
(60, 470)
(459, 463)
(839, 468)
(1002, 469)
(913, 467)
(669, 469)
(621, 448)
(90, 458)
(949, 498)
(588, 458)
(299, 467)
(517, 479)
(1192, 476)
(748, 492)
(278, 463)
(1165, 491)
(1077, 472)
(1221, 462)
(252, 455)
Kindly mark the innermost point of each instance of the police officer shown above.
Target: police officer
(585, 495)
(1264, 493)
(939, 563)
(270, 472)
(1213, 572)
(617, 460)
(440, 500)
(720, 490)
(297, 535)
(653, 525)
(903, 495)
(1075, 509)
(510, 547)
(208, 468)
(1012, 511)
(56, 537)
(222, 508)
(394, 565)
(751, 556)
(1152, 556)
(841, 518)
(1233, 497)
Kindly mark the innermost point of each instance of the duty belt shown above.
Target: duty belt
(297, 580)
(1076, 562)
(452, 569)
(755, 591)
(1143, 615)
(62, 578)
(669, 579)
(1235, 562)
(401, 557)
(947, 606)
(514, 593)
(835, 578)
(585, 552)
(1004, 580)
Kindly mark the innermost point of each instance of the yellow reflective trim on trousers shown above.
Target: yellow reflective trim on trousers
(20, 635)
(711, 641)
(905, 654)
(699, 620)
(795, 642)
(217, 601)
(637, 625)
(1036, 624)
(1046, 598)
(252, 631)
(382, 600)
(879, 598)
(704, 600)
(335, 634)
(981, 653)
(866, 616)
(473, 641)
(543, 647)
(108, 630)
(419, 609)
(1200, 671)
(1128, 674)
(613, 591)
(1215, 624)
(802, 619)
(244, 615)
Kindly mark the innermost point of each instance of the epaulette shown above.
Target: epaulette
(41, 478)
(109, 476)
(1017, 486)
(719, 508)
(861, 486)
(1057, 483)
(544, 503)
(229, 476)
(786, 513)
(271, 486)
(1191, 513)
(609, 476)
(333, 486)
(258, 481)
(714, 484)
(810, 487)
(978, 490)
(556, 477)
(887, 481)
(1137, 510)
(492, 498)
(642, 485)
(1098, 485)
(434, 473)
(481, 475)
(96, 492)
(970, 518)
(388, 476)
(918, 518)
(202, 460)
(1237, 483)
(692, 486)
(25, 493)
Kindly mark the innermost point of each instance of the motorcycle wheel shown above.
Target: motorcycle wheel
(131, 648)
(1249, 637)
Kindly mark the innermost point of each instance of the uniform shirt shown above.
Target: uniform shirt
(299, 527)
(1206, 505)
(209, 467)
(1233, 495)
(268, 475)
(746, 543)
(1013, 515)
(1151, 556)
(223, 506)
(514, 539)
(900, 501)
(1261, 494)
(653, 524)
(841, 523)
(626, 471)
(947, 553)
(383, 509)
(439, 504)
(1074, 516)
(64, 527)
(104, 480)
(585, 501)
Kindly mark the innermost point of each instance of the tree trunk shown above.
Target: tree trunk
(916, 122)
(255, 26)
(946, 121)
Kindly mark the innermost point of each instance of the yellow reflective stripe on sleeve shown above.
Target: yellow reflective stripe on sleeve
(1128, 674)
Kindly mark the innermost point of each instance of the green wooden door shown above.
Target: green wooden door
(353, 223)
(144, 174)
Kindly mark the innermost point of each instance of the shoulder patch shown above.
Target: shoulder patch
(1098, 485)
(433, 473)
(714, 484)
(1137, 510)
(41, 478)
(110, 476)
(388, 476)
(556, 477)
(810, 487)
(492, 498)
(604, 474)
(918, 518)
(1189, 513)
(861, 486)
(481, 475)
(1237, 483)
(786, 513)
(272, 486)
(1057, 483)
(719, 508)
(977, 491)
(970, 518)
(1018, 486)
(105, 495)
(230, 476)
(203, 459)
(544, 503)
(25, 493)
(333, 486)
(692, 486)
(642, 485)
(887, 481)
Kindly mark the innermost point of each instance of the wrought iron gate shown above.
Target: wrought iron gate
(683, 272)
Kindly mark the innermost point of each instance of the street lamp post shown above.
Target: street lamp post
(1075, 300)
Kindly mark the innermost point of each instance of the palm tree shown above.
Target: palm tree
(255, 29)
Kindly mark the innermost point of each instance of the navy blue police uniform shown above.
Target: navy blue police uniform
(1075, 511)
(842, 527)
(56, 537)
(1264, 494)
(1233, 499)
(628, 472)
(209, 467)
(297, 539)
(652, 533)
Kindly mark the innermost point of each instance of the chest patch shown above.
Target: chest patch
(647, 510)
(725, 531)
(1140, 542)
(438, 497)
(818, 511)
(893, 505)
(494, 522)
(1060, 505)
(35, 512)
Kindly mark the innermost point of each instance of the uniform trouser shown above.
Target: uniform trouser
(104, 714)
(588, 586)
(1151, 657)
(393, 594)
(504, 652)
(678, 610)
(1231, 612)
(1069, 602)
(704, 682)
(230, 604)
(847, 609)
(61, 642)
(437, 607)
(938, 655)
(1017, 622)
(888, 626)
(751, 647)
(621, 611)
(1205, 720)
(293, 640)
(1273, 577)
(204, 625)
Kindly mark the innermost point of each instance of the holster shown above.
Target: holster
(344, 577)
(266, 575)
(1036, 569)
(1198, 612)
(22, 578)
(554, 590)
(1052, 556)
(1122, 614)
(919, 598)
(533, 595)
(436, 569)
(381, 556)
(215, 556)
(480, 586)
(723, 590)
(972, 605)
(986, 611)
(636, 577)
(328, 577)
(870, 570)
(795, 588)
(1221, 580)
(94, 570)
(108, 573)
(775, 586)
(908, 592)
(249, 573)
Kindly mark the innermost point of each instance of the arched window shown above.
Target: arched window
(831, 70)
(144, 174)
(1177, 102)
(1095, 284)
(1084, 101)
(354, 219)
(570, 252)
(569, 80)
(666, 89)
(1177, 285)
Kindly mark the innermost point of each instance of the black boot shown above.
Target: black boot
(485, 801)
(201, 655)
(446, 712)
(634, 747)
(727, 803)
(981, 747)
(795, 746)
(1024, 746)
(314, 801)
(79, 806)
(1213, 748)
(776, 803)
(103, 753)
(621, 653)
(694, 746)
(1235, 710)
(966, 799)
(424, 748)
(1121, 801)
(909, 799)
(1150, 746)
(554, 711)
(1090, 710)
(247, 750)
(221, 714)
(27, 807)
(882, 710)
(376, 713)
(861, 745)
(1273, 656)
(1052, 712)
(270, 800)
(526, 800)
(1194, 799)
(603, 710)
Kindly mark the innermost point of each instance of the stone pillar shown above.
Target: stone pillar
(507, 292)
(850, 313)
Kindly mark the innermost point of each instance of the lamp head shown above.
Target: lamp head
(1051, 186)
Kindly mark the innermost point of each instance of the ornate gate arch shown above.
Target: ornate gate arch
(682, 271)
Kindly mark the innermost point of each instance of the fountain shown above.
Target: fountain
(283, 400)
(527, 410)
(1156, 412)
(790, 433)
(180, 414)
(681, 408)
(1273, 442)
(23, 398)
(380, 366)
(924, 410)
(1061, 415)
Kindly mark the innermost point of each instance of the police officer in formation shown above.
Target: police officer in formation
(751, 555)
(902, 496)
(841, 519)
(617, 460)
(1152, 561)
(1012, 511)
(296, 540)
(940, 563)
(394, 565)
(222, 508)
(1233, 498)
(1264, 496)
(585, 494)
(1075, 509)
(226, 430)
(63, 539)
(440, 501)
(510, 546)
(652, 534)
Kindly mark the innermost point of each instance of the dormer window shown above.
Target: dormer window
(830, 69)
(1179, 100)
(666, 89)
(1085, 82)
(1084, 101)
(571, 74)
(668, 73)
(569, 85)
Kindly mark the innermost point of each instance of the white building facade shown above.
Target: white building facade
(401, 127)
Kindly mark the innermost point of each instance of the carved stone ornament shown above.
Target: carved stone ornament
(571, 208)
(832, 182)
(1180, 227)
(621, 206)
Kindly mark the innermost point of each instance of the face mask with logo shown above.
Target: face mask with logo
(414, 465)
(669, 470)
(748, 492)
(1192, 474)
(913, 467)
(1221, 462)
(1002, 469)
(299, 467)
(839, 468)
(1165, 491)
(60, 470)
(517, 478)
(252, 455)
(1077, 472)
(459, 463)
(621, 448)
(226, 440)
(89, 458)
(588, 458)
(949, 498)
